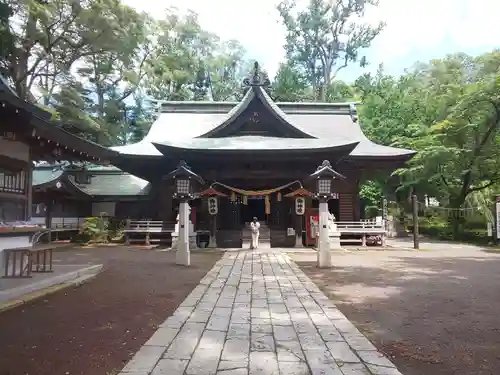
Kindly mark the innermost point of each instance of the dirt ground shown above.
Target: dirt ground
(95, 328)
(432, 312)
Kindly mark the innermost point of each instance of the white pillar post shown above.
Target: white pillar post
(183, 255)
(324, 256)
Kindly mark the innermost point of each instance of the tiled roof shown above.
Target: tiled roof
(183, 125)
(105, 180)
(116, 184)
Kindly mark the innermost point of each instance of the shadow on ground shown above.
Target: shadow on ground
(430, 314)
(94, 329)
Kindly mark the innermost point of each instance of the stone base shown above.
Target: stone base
(298, 242)
(324, 259)
(192, 242)
(212, 243)
(183, 257)
(175, 241)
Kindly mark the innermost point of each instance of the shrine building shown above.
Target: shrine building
(27, 134)
(254, 155)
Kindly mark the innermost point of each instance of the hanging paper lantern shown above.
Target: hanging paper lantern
(233, 196)
(268, 205)
(279, 196)
(245, 200)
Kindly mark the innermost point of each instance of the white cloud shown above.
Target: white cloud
(420, 30)
(416, 30)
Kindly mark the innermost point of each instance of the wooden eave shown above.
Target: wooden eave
(36, 130)
(12, 165)
(66, 185)
(403, 158)
(211, 192)
(170, 151)
(301, 192)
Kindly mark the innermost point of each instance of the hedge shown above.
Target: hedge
(472, 230)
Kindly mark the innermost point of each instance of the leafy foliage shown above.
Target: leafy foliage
(95, 229)
(325, 37)
(94, 63)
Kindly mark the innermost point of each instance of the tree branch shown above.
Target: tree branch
(478, 188)
(444, 181)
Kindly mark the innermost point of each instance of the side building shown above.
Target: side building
(27, 135)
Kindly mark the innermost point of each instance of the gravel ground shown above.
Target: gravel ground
(432, 312)
(94, 329)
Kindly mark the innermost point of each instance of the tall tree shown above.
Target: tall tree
(290, 85)
(449, 111)
(48, 37)
(190, 63)
(326, 37)
(461, 154)
(226, 68)
(178, 70)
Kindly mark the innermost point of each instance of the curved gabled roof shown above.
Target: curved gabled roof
(255, 143)
(185, 124)
(258, 93)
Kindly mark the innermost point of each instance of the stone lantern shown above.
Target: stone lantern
(329, 237)
(184, 180)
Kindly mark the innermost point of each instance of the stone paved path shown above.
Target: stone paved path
(257, 313)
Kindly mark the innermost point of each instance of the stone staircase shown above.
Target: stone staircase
(264, 236)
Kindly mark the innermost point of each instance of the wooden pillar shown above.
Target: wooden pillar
(212, 241)
(28, 181)
(298, 228)
(164, 200)
(127, 237)
(48, 214)
(356, 202)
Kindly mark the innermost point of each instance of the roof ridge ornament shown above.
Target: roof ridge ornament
(257, 78)
(325, 164)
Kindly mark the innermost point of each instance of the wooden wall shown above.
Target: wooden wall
(67, 208)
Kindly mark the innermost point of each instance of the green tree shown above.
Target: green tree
(91, 102)
(290, 85)
(447, 110)
(226, 69)
(326, 37)
(178, 70)
(462, 153)
(49, 37)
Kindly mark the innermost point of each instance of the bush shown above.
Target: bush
(95, 229)
(473, 229)
(115, 228)
(371, 212)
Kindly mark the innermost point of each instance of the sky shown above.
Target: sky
(417, 30)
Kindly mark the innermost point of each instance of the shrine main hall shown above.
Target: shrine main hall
(254, 157)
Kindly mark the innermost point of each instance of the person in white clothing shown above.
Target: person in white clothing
(255, 226)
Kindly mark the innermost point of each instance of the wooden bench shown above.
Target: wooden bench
(146, 228)
(25, 260)
(363, 229)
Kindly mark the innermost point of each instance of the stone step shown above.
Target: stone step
(263, 234)
(263, 244)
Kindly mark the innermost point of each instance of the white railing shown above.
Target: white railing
(60, 222)
(149, 226)
(360, 227)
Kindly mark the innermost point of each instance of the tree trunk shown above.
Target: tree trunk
(456, 219)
